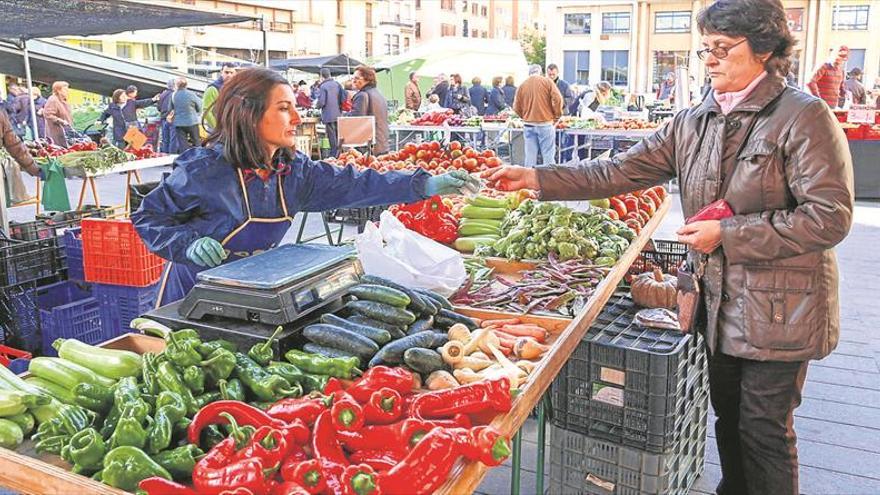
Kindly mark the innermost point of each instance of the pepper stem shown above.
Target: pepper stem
(363, 484)
(267, 343)
(237, 432)
(312, 477)
(387, 404)
(501, 449)
(347, 417)
(222, 385)
(417, 437)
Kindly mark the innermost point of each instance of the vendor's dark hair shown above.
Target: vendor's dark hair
(238, 110)
(761, 22)
(117, 93)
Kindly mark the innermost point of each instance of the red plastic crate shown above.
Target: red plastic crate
(855, 133)
(871, 132)
(9, 354)
(842, 115)
(113, 253)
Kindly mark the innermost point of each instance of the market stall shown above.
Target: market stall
(862, 128)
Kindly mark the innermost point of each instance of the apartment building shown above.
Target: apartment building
(633, 44)
(497, 19)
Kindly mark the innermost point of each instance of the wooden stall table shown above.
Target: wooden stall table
(130, 169)
(465, 477)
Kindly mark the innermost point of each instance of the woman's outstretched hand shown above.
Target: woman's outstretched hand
(511, 178)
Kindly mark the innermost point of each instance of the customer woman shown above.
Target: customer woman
(57, 113)
(236, 196)
(457, 98)
(114, 110)
(496, 98)
(369, 101)
(770, 283)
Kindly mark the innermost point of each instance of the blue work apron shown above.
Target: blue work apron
(255, 235)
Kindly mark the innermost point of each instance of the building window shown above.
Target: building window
(672, 22)
(666, 62)
(406, 44)
(158, 53)
(91, 44)
(123, 50)
(447, 5)
(855, 59)
(368, 46)
(395, 44)
(418, 30)
(339, 12)
(447, 30)
(577, 23)
(484, 11)
(340, 43)
(475, 33)
(485, 34)
(795, 18)
(474, 8)
(369, 15)
(418, 4)
(615, 67)
(615, 22)
(850, 17)
(576, 66)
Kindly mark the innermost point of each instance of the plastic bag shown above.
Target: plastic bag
(394, 252)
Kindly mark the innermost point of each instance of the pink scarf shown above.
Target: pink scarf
(729, 101)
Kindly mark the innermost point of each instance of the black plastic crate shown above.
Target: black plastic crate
(356, 216)
(27, 261)
(662, 254)
(587, 464)
(20, 316)
(629, 384)
(53, 225)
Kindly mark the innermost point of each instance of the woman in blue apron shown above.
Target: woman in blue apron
(237, 195)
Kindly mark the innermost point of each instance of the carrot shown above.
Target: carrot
(500, 323)
(533, 331)
(506, 340)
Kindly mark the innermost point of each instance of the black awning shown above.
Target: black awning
(50, 18)
(336, 64)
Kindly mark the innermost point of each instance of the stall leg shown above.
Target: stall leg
(539, 465)
(515, 464)
(39, 194)
(128, 193)
(327, 231)
(302, 227)
(94, 188)
(82, 194)
(137, 176)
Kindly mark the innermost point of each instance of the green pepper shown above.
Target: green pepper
(126, 466)
(194, 379)
(110, 421)
(101, 397)
(169, 410)
(180, 430)
(218, 365)
(182, 353)
(170, 381)
(11, 435)
(207, 398)
(85, 451)
(264, 385)
(173, 403)
(148, 372)
(320, 365)
(263, 352)
(25, 421)
(231, 389)
(208, 348)
(211, 436)
(180, 461)
(292, 374)
(187, 334)
(52, 444)
(129, 430)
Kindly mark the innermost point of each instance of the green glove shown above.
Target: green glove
(206, 252)
(454, 182)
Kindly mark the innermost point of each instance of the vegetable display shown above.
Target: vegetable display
(433, 218)
(431, 156)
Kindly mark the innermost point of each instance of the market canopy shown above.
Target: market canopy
(337, 64)
(50, 18)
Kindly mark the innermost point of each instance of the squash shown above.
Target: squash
(655, 290)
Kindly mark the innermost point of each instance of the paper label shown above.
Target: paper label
(607, 394)
(860, 116)
(605, 485)
(611, 375)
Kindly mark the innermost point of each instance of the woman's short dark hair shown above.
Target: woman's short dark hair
(238, 110)
(456, 78)
(761, 22)
(368, 73)
(509, 81)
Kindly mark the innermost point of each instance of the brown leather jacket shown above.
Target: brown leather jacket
(771, 289)
(14, 146)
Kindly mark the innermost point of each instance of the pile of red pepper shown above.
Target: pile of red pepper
(636, 208)
(372, 438)
(146, 151)
(43, 149)
(433, 218)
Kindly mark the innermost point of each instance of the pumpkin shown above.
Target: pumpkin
(655, 290)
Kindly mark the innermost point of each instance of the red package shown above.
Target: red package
(713, 211)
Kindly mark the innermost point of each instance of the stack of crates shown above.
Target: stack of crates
(123, 272)
(20, 316)
(68, 311)
(629, 409)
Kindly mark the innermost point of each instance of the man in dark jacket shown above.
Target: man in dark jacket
(330, 98)
(564, 87)
(16, 148)
(479, 96)
(369, 101)
(169, 135)
(509, 91)
(21, 111)
(129, 111)
(441, 88)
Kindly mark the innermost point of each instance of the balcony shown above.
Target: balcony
(397, 21)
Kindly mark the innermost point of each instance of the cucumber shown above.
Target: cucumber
(431, 307)
(342, 339)
(66, 373)
(383, 312)
(470, 244)
(425, 361)
(446, 318)
(377, 335)
(380, 293)
(481, 221)
(471, 230)
(392, 353)
(420, 325)
(329, 352)
(471, 211)
(417, 302)
(444, 303)
(440, 339)
(395, 331)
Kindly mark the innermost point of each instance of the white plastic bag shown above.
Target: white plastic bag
(394, 252)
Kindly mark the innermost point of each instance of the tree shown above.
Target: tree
(534, 46)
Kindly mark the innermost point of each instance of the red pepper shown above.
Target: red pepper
(380, 460)
(631, 202)
(484, 444)
(385, 406)
(328, 452)
(268, 445)
(618, 206)
(360, 480)
(347, 413)
(306, 474)
(244, 491)
(660, 191)
(426, 466)
(296, 453)
(400, 436)
(377, 377)
(651, 193)
(471, 398)
(217, 472)
(333, 385)
(160, 486)
(646, 204)
(305, 409)
(612, 214)
(244, 414)
(289, 488)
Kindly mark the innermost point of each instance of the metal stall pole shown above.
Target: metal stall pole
(30, 83)
(516, 464)
(265, 41)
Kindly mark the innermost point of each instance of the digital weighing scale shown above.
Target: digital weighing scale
(276, 287)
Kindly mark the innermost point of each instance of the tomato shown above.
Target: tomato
(494, 162)
(410, 148)
(454, 145)
(457, 163)
(488, 154)
(470, 153)
(421, 154)
(434, 146)
(470, 164)
(457, 153)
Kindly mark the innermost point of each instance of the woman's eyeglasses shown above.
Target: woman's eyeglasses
(719, 52)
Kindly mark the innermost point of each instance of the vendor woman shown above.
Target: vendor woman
(238, 194)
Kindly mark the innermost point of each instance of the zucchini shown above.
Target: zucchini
(330, 352)
(481, 221)
(111, 363)
(380, 293)
(377, 335)
(487, 202)
(417, 304)
(471, 230)
(65, 373)
(444, 303)
(423, 360)
(383, 312)
(395, 331)
(420, 325)
(446, 318)
(471, 211)
(52, 389)
(470, 244)
(392, 353)
(342, 339)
